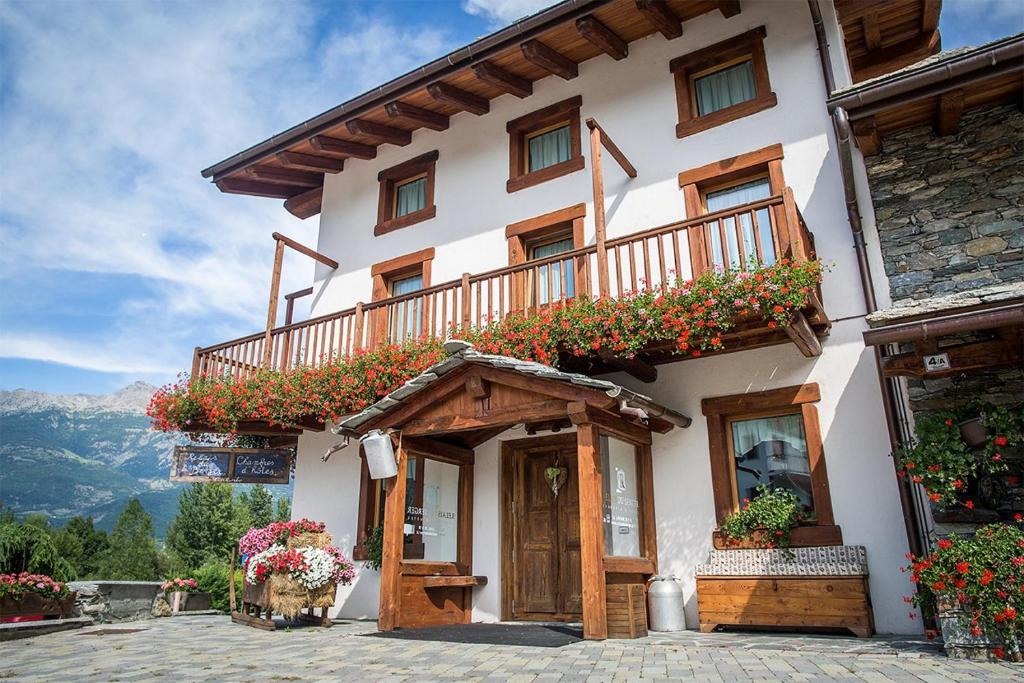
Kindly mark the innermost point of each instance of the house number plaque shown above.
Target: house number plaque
(937, 362)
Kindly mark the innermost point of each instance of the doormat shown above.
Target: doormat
(110, 631)
(526, 635)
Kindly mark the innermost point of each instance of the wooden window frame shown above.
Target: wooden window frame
(794, 400)
(687, 68)
(422, 166)
(648, 534)
(520, 130)
(522, 233)
(385, 272)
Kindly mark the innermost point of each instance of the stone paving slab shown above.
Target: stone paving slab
(211, 648)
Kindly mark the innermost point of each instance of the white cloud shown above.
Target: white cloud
(111, 110)
(504, 11)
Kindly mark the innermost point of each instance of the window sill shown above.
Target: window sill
(801, 537)
(723, 116)
(405, 221)
(550, 173)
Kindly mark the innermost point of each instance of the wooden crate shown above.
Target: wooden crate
(807, 602)
(627, 610)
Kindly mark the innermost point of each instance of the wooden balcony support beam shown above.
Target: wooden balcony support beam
(802, 334)
(457, 97)
(635, 367)
(258, 188)
(421, 117)
(612, 148)
(504, 80)
(306, 204)
(602, 37)
(550, 60)
(729, 8)
(306, 251)
(379, 132)
(951, 108)
(310, 162)
(284, 176)
(343, 148)
(661, 18)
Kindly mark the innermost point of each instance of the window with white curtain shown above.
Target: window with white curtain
(406, 316)
(728, 198)
(725, 87)
(556, 280)
(771, 451)
(410, 196)
(548, 148)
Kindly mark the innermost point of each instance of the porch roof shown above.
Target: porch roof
(462, 353)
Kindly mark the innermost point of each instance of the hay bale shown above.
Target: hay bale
(289, 597)
(310, 540)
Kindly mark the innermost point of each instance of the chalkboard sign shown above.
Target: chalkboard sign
(234, 465)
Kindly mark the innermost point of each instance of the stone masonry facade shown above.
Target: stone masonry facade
(950, 210)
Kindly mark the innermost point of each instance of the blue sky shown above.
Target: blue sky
(116, 257)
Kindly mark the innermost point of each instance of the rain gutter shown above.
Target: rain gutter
(950, 324)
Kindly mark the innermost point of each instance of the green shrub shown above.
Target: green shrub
(214, 578)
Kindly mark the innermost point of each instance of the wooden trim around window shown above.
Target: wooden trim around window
(566, 111)
(390, 178)
(386, 271)
(723, 54)
(733, 167)
(520, 233)
(788, 400)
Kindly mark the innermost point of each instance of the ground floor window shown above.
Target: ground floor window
(771, 451)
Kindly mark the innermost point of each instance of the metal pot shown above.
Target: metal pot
(974, 432)
(665, 604)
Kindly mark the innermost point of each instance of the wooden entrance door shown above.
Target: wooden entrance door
(545, 559)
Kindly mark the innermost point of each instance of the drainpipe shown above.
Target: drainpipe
(844, 139)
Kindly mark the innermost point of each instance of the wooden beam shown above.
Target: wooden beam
(613, 149)
(548, 59)
(635, 367)
(311, 162)
(275, 292)
(306, 204)
(440, 450)
(258, 188)
(289, 305)
(457, 97)
(588, 469)
(866, 134)
(930, 15)
(872, 33)
(602, 37)
(951, 108)
(755, 401)
(597, 182)
(799, 330)
(891, 57)
(380, 132)
(729, 8)
(504, 80)
(447, 424)
(980, 355)
(284, 176)
(580, 413)
(422, 117)
(306, 251)
(661, 18)
(477, 386)
(391, 550)
(343, 148)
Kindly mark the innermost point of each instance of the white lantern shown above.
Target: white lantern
(380, 454)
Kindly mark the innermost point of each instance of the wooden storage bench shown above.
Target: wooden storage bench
(816, 589)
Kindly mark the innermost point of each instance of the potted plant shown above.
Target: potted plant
(183, 595)
(766, 521)
(31, 597)
(973, 587)
(299, 577)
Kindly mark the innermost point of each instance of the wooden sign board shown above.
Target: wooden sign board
(233, 465)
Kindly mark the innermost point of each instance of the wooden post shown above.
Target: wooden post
(357, 328)
(588, 451)
(195, 363)
(467, 309)
(391, 553)
(793, 245)
(275, 291)
(597, 176)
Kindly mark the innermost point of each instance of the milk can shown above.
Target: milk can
(380, 454)
(665, 604)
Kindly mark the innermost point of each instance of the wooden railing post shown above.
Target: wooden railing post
(597, 178)
(467, 310)
(275, 291)
(795, 246)
(357, 328)
(195, 363)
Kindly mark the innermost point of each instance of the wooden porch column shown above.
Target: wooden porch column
(588, 451)
(275, 290)
(597, 177)
(391, 555)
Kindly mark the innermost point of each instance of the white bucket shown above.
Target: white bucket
(380, 454)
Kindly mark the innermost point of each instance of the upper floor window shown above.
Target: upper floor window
(753, 242)
(406, 194)
(406, 315)
(555, 280)
(723, 82)
(543, 238)
(400, 278)
(544, 144)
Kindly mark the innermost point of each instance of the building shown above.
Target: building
(595, 148)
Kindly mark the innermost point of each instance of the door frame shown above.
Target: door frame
(506, 483)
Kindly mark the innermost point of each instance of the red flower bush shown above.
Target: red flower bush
(692, 316)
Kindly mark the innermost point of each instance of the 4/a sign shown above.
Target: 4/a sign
(936, 362)
(234, 465)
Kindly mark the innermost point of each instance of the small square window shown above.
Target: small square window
(548, 148)
(410, 196)
(724, 87)
(406, 194)
(544, 145)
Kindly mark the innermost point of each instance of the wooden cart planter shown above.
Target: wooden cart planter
(31, 606)
(816, 588)
(258, 602)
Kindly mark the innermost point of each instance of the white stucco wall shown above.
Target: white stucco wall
(634, 100)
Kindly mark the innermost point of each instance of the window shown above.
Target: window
(621, 498)
(406, 194)
(544, 144)
(541, 238)
(721, 83)
(771, 438)
(406, 316)
(746, 238)
(398, 321)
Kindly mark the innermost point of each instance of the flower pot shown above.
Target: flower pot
(960, 643)
(182, 601)
(974, 432)
(35, 605)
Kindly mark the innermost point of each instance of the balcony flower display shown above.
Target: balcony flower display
(687, 319)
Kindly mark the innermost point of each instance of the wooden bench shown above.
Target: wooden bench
(816, 588)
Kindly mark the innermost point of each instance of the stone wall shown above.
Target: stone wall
(950, 210)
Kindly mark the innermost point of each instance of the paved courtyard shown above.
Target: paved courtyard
(211, 648)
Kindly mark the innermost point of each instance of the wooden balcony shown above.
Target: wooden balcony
(652, 258)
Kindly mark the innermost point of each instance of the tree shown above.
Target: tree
(30, 548)
(133, 553)
(206, 525)
(260, 506)
(83, 545)
(284, 510)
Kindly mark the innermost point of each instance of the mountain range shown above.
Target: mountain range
(82, 454)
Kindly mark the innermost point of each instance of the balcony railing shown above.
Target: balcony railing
(761, 232)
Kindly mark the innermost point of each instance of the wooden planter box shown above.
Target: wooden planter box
(822, 588)
(627, 610)
(35, 605)
(800, 537)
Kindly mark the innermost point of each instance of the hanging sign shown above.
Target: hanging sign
(234, 465)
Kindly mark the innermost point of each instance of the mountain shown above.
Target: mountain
(82, 454)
